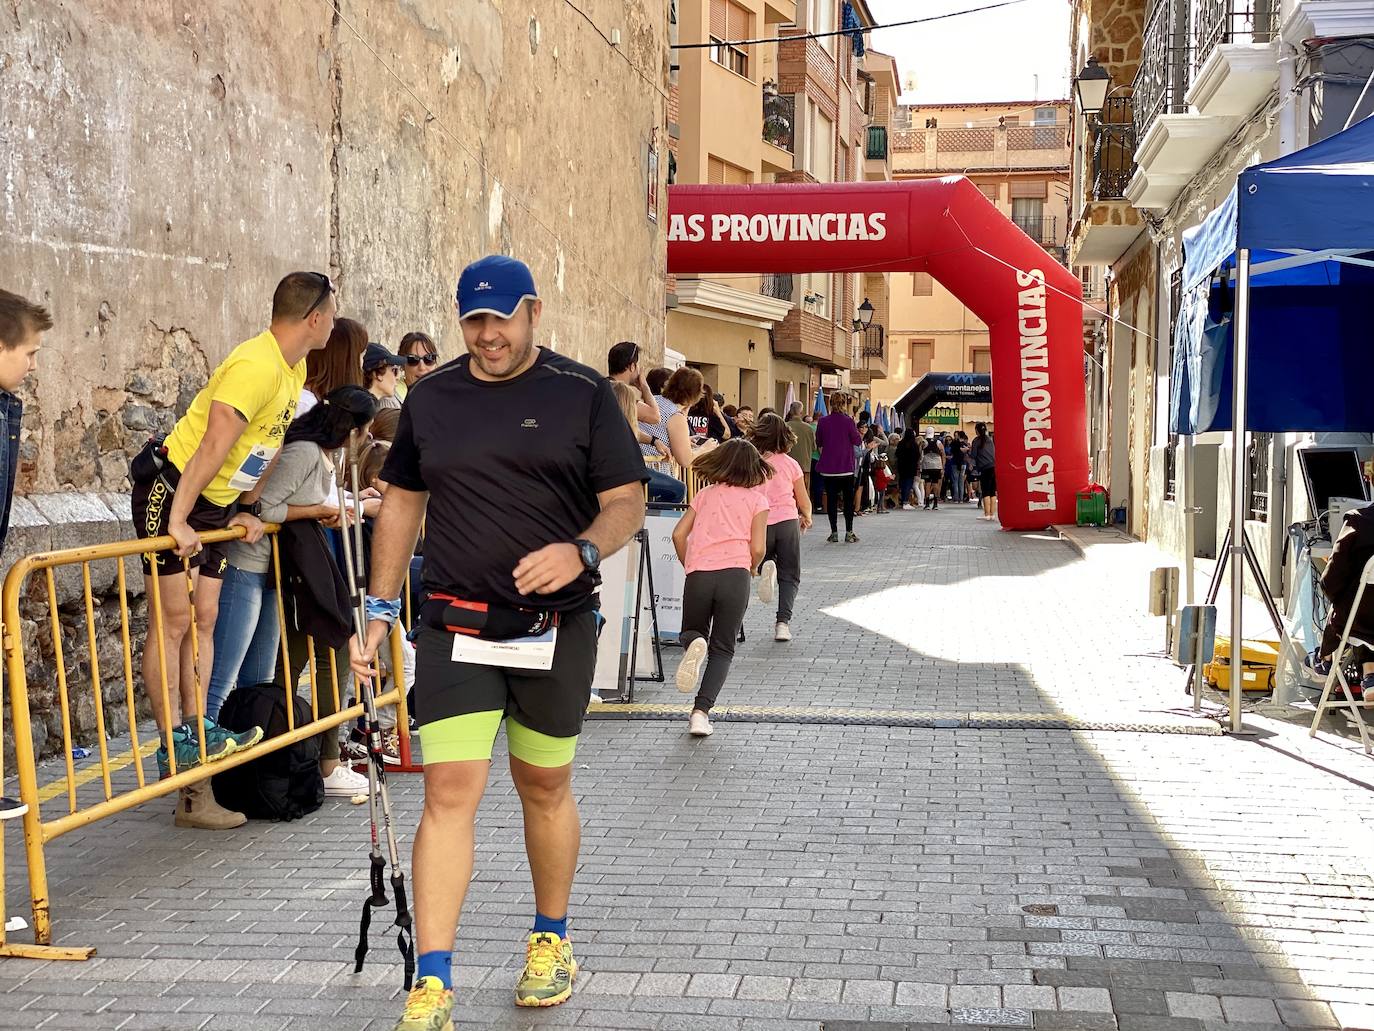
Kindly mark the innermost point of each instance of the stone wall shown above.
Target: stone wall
(165, 163)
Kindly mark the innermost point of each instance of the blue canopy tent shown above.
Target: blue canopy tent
(1274, 331)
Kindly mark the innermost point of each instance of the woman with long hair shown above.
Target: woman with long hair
(421, 355)
(837, 437)
(984, 457)
(706, 418)
(789, 514)
(662, 487)
(908, 468)
(338, 364)
(247, 632)
(681, 390)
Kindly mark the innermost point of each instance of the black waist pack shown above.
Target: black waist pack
(491, 622)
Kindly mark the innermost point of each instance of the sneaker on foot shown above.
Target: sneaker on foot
(699, 724)
(1315, 664)
(549, 971)
(391, 747)
(834, 538)
(689, 670)
(782, 632)
(239, 742)
(908, 508)
(429, 1007)
(768, 582)
(344, 783)
(851, 538)
(186, 747)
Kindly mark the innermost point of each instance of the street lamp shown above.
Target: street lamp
(1092, 85)
(865, 318)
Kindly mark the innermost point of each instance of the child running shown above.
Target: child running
(720, 541)
(789, 516)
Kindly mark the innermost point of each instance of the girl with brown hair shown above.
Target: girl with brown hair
(789, 516)
(338, 364)
(720, 541)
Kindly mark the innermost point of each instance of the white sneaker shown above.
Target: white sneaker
(908, 508)
(344, 783)
(782, 632)
(768, 582)
(689, 670)
(699, 724)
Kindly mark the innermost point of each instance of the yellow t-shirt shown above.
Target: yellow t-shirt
(256, 381)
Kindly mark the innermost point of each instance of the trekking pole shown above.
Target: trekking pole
(378, 796)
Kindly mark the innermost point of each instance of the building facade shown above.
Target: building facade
(1017, 154)
(787, 111)
(1199, 90)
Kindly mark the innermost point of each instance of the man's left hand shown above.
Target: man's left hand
(252, 527)
(549, 569)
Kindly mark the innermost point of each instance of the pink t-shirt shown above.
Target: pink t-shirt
(782, 499)
(723, 527)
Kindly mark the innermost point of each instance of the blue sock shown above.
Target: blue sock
(437, 964)
(545, 925)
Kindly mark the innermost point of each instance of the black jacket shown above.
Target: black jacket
(313, 588)
(1354, 548)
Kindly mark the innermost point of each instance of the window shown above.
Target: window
(730, 22)
(980, 359)
(842, 168)
(815, 297)
(992, 193)
(821, 18)
(822, 147)
(1045, 116)
(921, 284)
(722, 173)
(922, 354)
(1029, 214)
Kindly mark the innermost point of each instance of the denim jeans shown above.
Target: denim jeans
(665, 488)
(246, 636)
(957, 484)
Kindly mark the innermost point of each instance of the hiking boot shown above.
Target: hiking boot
(186, 746)
(429, 1007)
(699, 724)
(768, 582)
(851, 538)
(689, 670)
(197, 808)
(549, 971)
(834, 538)
(782, 632)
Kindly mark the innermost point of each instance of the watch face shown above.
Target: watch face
(591, 558)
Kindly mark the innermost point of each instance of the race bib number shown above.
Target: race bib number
(252, 467)
(520, 653)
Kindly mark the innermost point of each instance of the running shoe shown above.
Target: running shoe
(782, 632)
(1316, 665)
(429, 1007)
(186, 746)
(699, 724)
(851, 538)
(908, 508)
(344, 783)
(549, 971)
(834, 538)
(768, 582)
(241, 742)
(689, 670)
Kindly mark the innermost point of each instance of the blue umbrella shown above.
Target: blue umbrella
(819, 407)
(883, 420)
(866, 408)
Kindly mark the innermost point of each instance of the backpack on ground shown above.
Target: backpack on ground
(281, 785)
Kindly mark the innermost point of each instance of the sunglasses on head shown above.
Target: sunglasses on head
(415, 359)
(326, 288)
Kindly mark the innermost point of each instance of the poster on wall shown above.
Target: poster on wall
(669, 577)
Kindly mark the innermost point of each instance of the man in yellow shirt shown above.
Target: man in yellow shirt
(206, 475)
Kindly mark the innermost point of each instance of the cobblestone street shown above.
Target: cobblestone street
(812, 875)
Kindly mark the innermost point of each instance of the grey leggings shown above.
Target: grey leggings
(713, 604)
(784, 548)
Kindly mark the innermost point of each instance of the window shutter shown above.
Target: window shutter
(737, 21)
(1031, 189)
(715, 172)
(720, 20)
(921, 284)
(992, 193)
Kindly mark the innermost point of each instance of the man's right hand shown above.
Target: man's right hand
(188, 541)
(362, 656)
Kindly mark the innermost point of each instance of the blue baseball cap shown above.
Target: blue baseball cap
(494, 285)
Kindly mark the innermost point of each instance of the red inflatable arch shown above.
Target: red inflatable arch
(940, 226)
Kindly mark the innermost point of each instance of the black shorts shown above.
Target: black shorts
(551, 702)
(152, 510)
(987, 481)
(932, 475)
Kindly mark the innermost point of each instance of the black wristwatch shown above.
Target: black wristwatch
(254, 510)
(590, 553)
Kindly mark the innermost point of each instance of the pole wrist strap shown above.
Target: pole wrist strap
(387, 610)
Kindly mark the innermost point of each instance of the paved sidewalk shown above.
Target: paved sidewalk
(810, 876)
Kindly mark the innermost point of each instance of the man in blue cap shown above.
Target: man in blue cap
(527, 473)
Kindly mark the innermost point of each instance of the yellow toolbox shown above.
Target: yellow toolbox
(1258, 662)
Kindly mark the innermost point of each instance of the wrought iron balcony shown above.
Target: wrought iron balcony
(1113, 150)
(1043, 229)
(779, 118)
(1166, 62)
(776, 284)
(874, 342)
(1231, 21)
(877, 143)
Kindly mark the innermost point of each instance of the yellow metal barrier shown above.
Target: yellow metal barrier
(38, 831)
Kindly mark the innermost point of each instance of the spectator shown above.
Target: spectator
(622, 364)
(837, 437)
(682, 388)
(908, 468)
(804, 450)
(22, 325)
(421, 355)
(247, 633)
(339, 364)
(933, 470)
(706, 419)
(658, 445)
(984, 457)
(381, 375)
(206, 476)
(744, 419)
(384, 426)
(663, 488)
(957, 466)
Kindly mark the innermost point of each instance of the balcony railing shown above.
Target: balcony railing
(776, 284)
(874, 344)
(1043, 229)
(779, 119)
(1231, 21)
(877, 143)
(1166, 62)
(1037, 137)
(1113, 150)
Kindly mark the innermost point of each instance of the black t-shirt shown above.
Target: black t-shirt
(510, 467)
